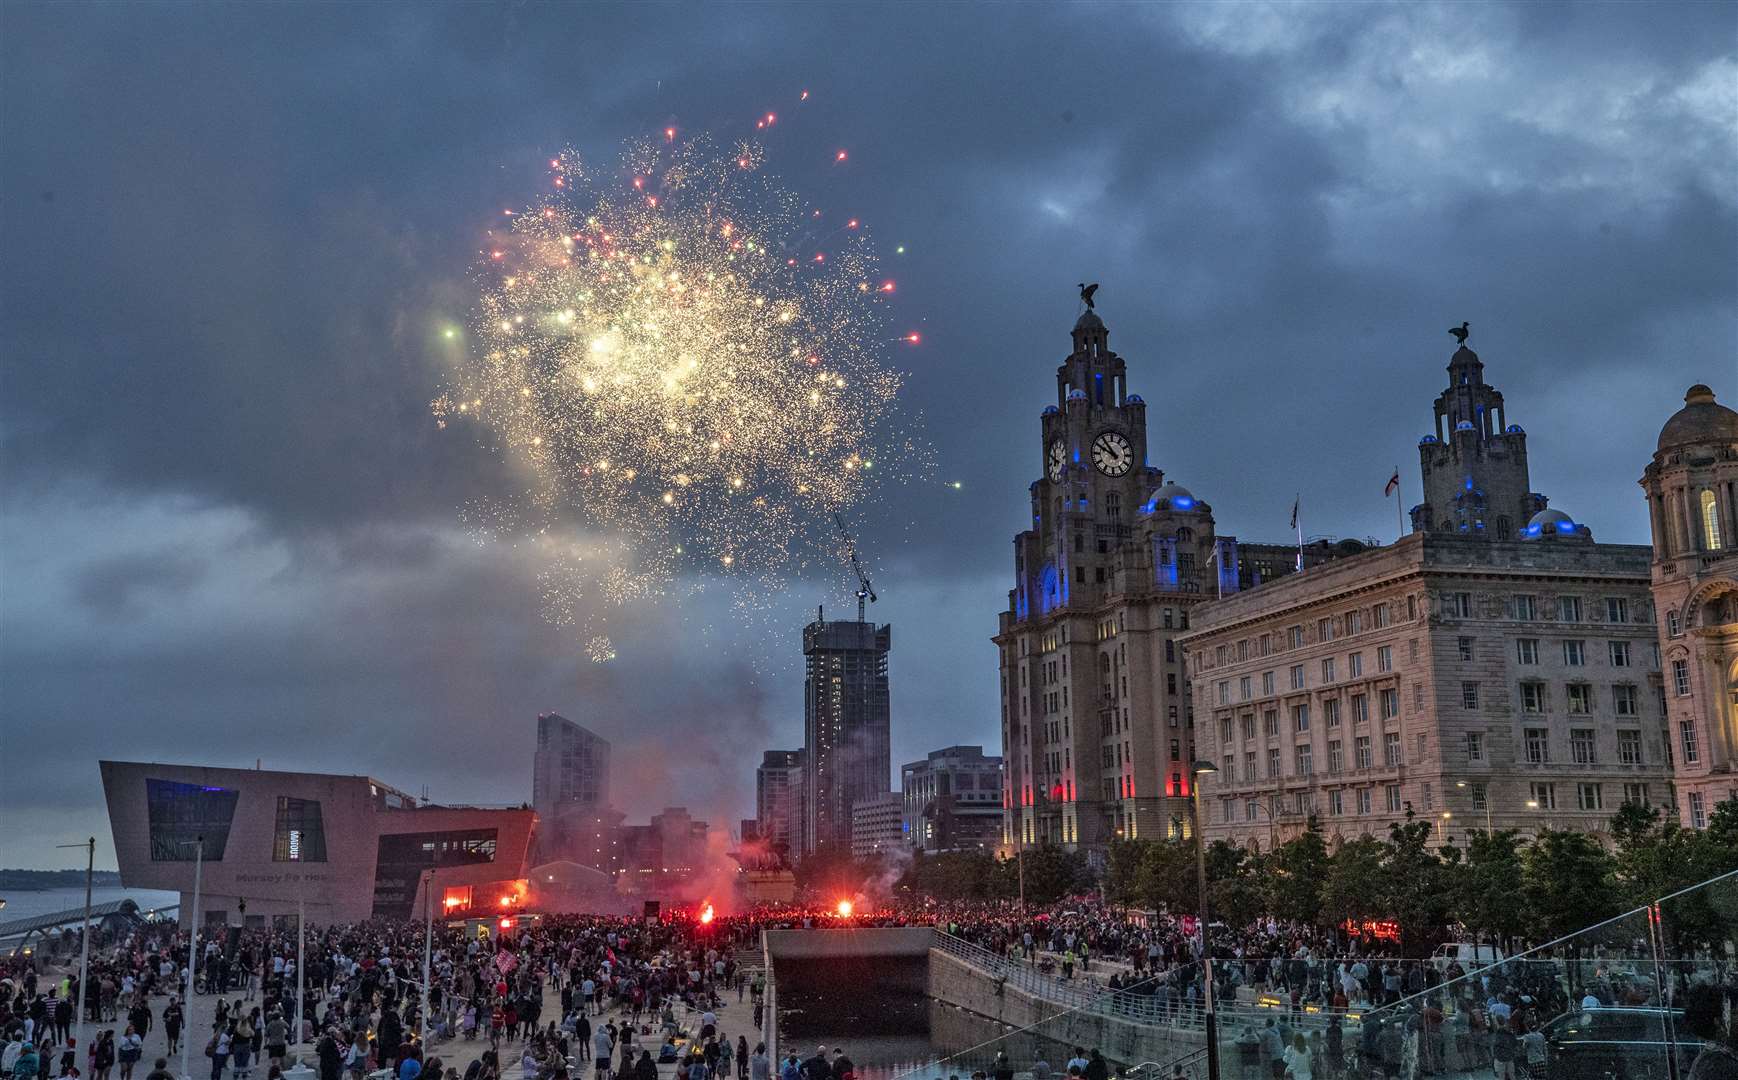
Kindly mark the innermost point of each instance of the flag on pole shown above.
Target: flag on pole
(1213, 555)
(1393, 484)
(1299, 529)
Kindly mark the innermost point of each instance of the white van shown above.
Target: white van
(1471, 955)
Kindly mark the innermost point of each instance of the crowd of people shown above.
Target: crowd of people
(621, 997)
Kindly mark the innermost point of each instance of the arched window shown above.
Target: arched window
(1672, 623)
(1710, 521)
(1185, 534)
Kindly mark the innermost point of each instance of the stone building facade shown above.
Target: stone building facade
(1692, 498)
(1477, 683)
(1096, 731)
(1494, 668)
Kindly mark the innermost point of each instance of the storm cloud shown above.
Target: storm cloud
(232, 531)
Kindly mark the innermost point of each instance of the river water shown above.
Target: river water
(26, 905)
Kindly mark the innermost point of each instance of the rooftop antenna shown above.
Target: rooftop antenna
(865, 590)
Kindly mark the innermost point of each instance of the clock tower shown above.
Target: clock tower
(1078, 762)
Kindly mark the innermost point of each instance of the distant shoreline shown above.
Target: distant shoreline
(17, 881)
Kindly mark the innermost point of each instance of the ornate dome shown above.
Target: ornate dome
(1136, 399)
(1089, 320)
(1050, 410)
(1077, 395)
(1701, 420)
(1174, 496)
(1552, 522)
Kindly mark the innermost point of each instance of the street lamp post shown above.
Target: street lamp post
(1199, 769)
(1272, 833)
(84, 955)
(1464, 784)
(198, 845)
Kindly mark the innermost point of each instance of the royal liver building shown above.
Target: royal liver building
(1095, 712)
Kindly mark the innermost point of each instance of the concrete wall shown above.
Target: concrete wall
(847, 942)
(958, 983)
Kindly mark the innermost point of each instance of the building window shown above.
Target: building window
(1538, 745)
(1300, 717)
(1223, 689)
(1581, 750)
(1469, 695)
(1364, 800)
(1672, 623)
(1267, 684)
(1385, 658)
(1248, 725)
(185, 819)
(1391, 749)
(1394, 801)
(1580, 699)
(1294, 635)
(1336, 756)
(1525, 608)
(1273, 763)
(1623, 700)
(1710, 522)
(1568, 609)
(1616, 609)
(1589, 797)
(1360, 708)
(1687, 741)
(1225, 730)
(1479, 801)
(1245, 688)
(301, 833)
(1544, 796)
(1390, 703)
(1170, 651)
(1381, 612)
(1475, 746)
(1618, 652)
(1629, 747)
(1681, 678)
(1698, 811)
(1336, 805)
(1354, 622)
(1465, 646)
(1249, 772)
(1270, 721)
(1575, 653)
(1429, 795)
(1636, 793)
(1532, 697)
(1355, 665)
(1362, 749)
(1297, 677)
(1249, 810)
(1327, 669)
(1305, 756)
(1457, 605)
(1331, 712)
(1527, 650)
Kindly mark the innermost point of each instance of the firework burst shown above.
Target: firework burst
(689, 356)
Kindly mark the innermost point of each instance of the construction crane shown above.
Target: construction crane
(865, 590)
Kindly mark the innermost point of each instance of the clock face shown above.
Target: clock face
(1058, 460)
(1112, 454)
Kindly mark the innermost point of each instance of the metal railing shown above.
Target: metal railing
(1122, 1004)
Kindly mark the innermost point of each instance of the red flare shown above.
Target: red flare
(913, 338)
(840, 156)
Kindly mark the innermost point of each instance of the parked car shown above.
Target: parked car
(1618, 1044)
(1472, 955)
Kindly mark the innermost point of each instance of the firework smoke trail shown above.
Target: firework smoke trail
(690, 359)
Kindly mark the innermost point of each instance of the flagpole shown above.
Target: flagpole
(1297, 523)
(1399, 514)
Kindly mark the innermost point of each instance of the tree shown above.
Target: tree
(1353, 887)
(1052, 873)
(1122, 868)
(1657, 858)
(1567, 884)
(1417, 892)
(1237, 884)
(1166, 878)
(1484, 890)
(1299, 869)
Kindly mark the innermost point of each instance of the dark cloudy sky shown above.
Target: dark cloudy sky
(230, 527)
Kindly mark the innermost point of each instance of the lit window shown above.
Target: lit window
(1710, 522)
